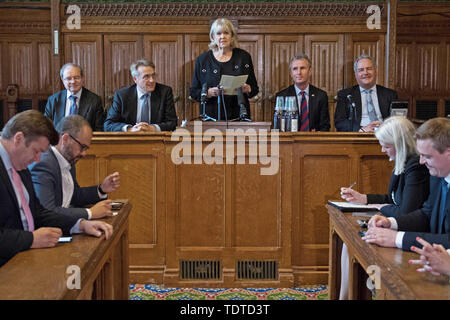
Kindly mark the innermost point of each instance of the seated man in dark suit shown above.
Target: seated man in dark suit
(54, 177)
(144, 106)
(432, 221)
(315, 115)
(372, 102)
(76, 99)
(24, 222)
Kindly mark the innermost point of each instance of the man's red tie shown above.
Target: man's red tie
(26, 208)
(304, 126)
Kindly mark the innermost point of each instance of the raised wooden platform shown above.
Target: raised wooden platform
(214, 220)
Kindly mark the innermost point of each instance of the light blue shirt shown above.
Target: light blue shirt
(299, 97)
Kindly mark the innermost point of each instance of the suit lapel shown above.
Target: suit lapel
(7, 182)
(59, 186)
(356, 94)
(312, 103)
(154, 104)
(132, 105)
(61, 110)
(83, 105)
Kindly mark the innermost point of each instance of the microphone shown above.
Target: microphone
(241, 102)
(350, 99)
(204, 94)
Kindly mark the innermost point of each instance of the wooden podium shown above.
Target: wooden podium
(223, 125)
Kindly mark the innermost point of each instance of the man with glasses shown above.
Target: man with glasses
(76, 99)
(144, 106)
(54, 177)
(371, 101)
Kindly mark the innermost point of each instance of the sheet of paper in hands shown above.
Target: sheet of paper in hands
(231, 83)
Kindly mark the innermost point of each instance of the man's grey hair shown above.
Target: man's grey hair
(72, 125)
(300, 57)
(363, 56)
(135, 66)
(70, 64)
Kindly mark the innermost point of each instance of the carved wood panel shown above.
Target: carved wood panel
(370, 44)
(166, 52)
(447, 73)
(20, 56)
(254, 44)
(44, 65)
(279, 49)
(87, 51)
(194, 46)
(120, 52)
(403, 68)
(327, 56)
(427, 67)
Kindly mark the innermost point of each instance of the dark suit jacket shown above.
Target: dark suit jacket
(13, 238)
(319, 116)
(124, 109)
(407, 191)
(90, 108)
(47, 181)
(424, 222)
(342, 113)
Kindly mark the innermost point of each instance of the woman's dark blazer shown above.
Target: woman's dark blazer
(208, 70)
(407, 191)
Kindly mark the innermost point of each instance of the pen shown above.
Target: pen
(353, 184)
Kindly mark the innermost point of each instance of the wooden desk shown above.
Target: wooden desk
(43, 273)
(399, 279)
(225, 218)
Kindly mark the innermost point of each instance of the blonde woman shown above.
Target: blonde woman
(223, 58)
(409, 184)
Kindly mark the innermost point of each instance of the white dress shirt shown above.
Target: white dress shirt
(364, 114)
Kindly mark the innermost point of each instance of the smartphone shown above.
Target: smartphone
(65, 239)
(116, 206)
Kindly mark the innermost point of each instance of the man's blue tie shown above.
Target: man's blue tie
(442, 206)
(73, 106)
(145, 111)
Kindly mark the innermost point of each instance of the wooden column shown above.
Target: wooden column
(391, 41)
(56, 58)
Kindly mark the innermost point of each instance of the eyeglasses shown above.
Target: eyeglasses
(82, 145)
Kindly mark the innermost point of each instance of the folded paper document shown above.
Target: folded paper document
(350, 206)
(231, 83)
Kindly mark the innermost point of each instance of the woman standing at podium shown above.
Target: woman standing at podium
(223, 58)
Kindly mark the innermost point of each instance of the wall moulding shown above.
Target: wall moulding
(228, 9)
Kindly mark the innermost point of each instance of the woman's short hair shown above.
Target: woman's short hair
(438, 131)
(398, 131)
(222, 24)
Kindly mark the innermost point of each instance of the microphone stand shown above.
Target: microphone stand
(352, 114)
(218, 101)
(204, 116)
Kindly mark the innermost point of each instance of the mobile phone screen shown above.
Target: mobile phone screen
(65, 239)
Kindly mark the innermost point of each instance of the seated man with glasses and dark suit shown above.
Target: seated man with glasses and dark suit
(54, 177)
(76, 99)
(144, 106)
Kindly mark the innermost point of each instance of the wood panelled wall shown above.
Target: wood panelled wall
(173, 35)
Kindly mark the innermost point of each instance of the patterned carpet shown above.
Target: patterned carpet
(158, 292)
